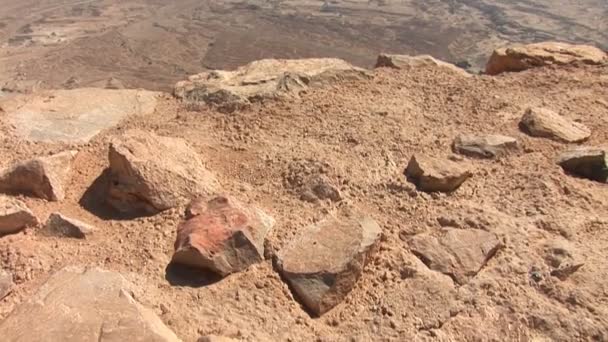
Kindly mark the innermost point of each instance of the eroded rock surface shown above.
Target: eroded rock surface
(6, 283)
(436, 175)
(78, 304)
(484, 146)
(523, 57)
(413, 62)
(545, 123)
(324, 262)
(588, 162)
(151, 173)
(14, 215)
(66, 226)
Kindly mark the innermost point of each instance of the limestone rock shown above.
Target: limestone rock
(523, 57)
(150, 173)
(545, 123)
(65, 226)
(6, 283)
(484, 146)
(226, 237)
(587, 162)
(84, 305)
(43, 177)
(74, 116)
(459, 253)
(324, 262)
(414, 62)
(14, 215)
(436, 175)
(268, 78)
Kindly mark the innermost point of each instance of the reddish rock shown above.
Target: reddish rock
(14, 215)
(65, 226)
(436, 175)
(43, 177)
(324, 262)
(226, 237)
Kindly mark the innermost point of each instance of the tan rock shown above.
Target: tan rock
(523, 57)
(436, 175)
(150, 173)
(414, 62)
(459, 253)
(6, 283)
(74, 116)
(226, 237)
(82, 305)
(14, 215)
(324, 262)
(484, 146)
(588, 162)
(268, 78)
(65, 226)
(215, 338)
(545, 123)
(43, 177)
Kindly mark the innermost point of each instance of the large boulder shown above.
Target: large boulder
(484, 146)
(65, 226)
(6, 283)
(405, 62)
(267, 78)
(222, 236)
(459, 253)
(436, 175)
(84, 305)
(42, 177)
(587, 162)
(14, 215)
(545, 123)
(324, 262)
(74, 116)
(523, 57)
(150, 173)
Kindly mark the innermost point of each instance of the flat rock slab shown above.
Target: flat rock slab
(42, 177)
(436, 175)
(14, 215)
(484, 145)
(267, 78)
(74, 116)
(459, 253)
(151, 173)
(64, 226)
(545, 123)
(84, 305)
(406, 62)
(225, 237)
(587, 162)
(6, 283)
(524, 57)
(324, 262)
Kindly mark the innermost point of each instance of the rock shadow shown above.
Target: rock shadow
(183, 275)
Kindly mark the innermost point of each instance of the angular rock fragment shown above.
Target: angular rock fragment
(324, 262)
(268, 78)
(459, 253)
(226, 237)
(79, 304)
(6, 283)
(436, 175)
(149, 173)
(484, 146)
(215, 338)
(523, 57)
(545, 123)
(587, 162)
(320, 188)
(65, 226)
(560, 256)
(414, 62)
(14, 215)
(42, 177)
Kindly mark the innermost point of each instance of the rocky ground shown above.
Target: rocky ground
(516, 252)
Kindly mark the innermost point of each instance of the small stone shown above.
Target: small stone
(14, 215)
(436, 175)
(484, 146)
(215, 338)
(226, 238)
(458, 253)
(545, 123)
(42, 177)
(65, 226)
(587, 162)
(324, 262)
(6, 283)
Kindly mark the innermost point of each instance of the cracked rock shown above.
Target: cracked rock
(545, 123)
